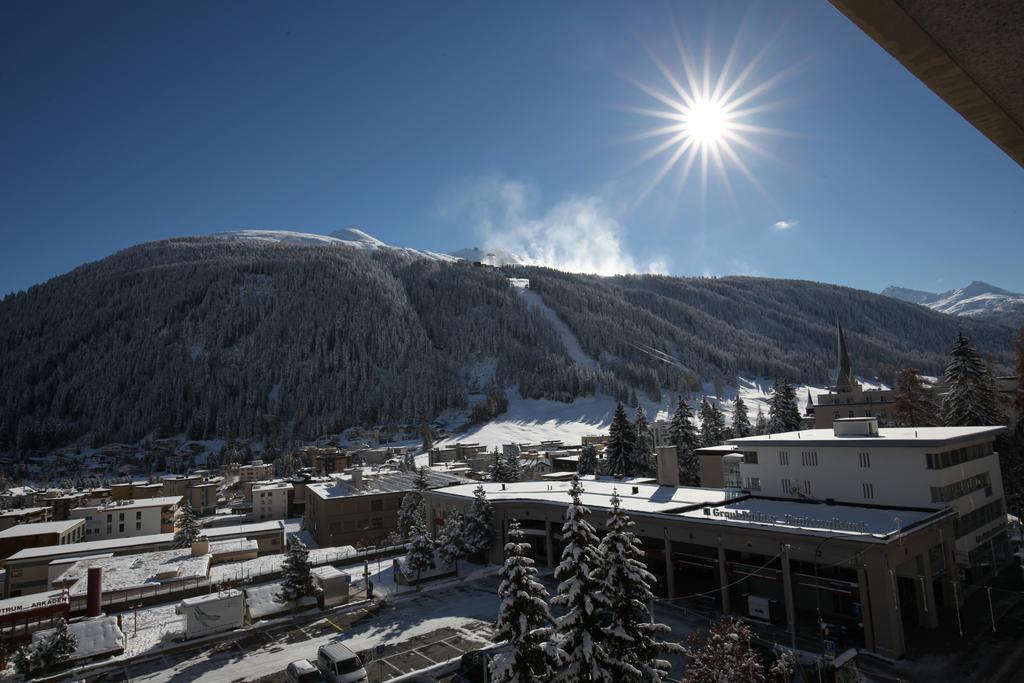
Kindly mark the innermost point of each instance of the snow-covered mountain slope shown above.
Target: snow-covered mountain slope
(349, 237)
(491, 257)
(976, 299)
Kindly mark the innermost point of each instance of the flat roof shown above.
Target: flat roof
(243, 529)
(37, 528)
(270, 485)
(887, 436)
(18, 512)
(123, 572)
(383, 481)
(107, 506)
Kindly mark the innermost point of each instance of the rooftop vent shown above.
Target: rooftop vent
(856, 426)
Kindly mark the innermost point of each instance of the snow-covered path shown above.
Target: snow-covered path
(572, 345)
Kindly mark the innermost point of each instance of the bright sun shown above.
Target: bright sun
(706, 120)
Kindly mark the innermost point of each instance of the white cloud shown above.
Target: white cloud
(784, 224)
(580, 233)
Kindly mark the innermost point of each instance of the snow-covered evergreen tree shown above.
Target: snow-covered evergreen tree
(783, 411)
(913, 404)
(723, 654)
(632, 638)
(498, 470)
(61, 645)
(524, 619)
(587, 463)
(621, 442)
(740, 420)
(411, 514)
(684, 437)
(451, 541)
(420, 555)
(187, 527)
(783, 669)
(970, 398)
(296, 573)
(712, 424)
(578, 631)
(642, 460)
(479, 525)
(761, 424)
(513, 466)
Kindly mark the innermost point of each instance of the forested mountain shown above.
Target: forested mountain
(227, 337)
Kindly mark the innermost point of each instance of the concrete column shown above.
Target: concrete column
(866, 615)
(787, 587)
(887, 611)
(670, 571)
(723, 579)
(926, 610)
(951, 589)
(549, 543)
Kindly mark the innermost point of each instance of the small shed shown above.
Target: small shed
(214, 613)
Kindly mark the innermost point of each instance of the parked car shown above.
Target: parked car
(339, 664)
(303, 671)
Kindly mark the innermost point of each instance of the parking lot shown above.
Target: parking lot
(423, 651)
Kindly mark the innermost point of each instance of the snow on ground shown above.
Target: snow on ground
(262, 600)
(293, 528)
(535, 420)
(449, 606)
(151, 628)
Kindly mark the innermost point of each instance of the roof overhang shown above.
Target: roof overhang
(971, 54)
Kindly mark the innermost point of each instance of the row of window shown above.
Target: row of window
(809, 458)
(958, 456)
(942, 494)
(356, 525)
(792, 486)
(980, 517)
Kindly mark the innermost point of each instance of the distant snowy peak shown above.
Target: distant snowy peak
(350, 237)
(491, 257)
(977, 298)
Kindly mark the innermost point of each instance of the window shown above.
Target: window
(836, 416)
(943, 494)
(809, 458)
(753, 483)
(377, 523)
(865, 459)
(783, 457)
(958, 456)
(138, 515)
(122, 517)
(376, 505)
(750, 457)
(980, 517)
(868, 490)
(138, 526)
(807, 486)
(787, 486)
(120, 528)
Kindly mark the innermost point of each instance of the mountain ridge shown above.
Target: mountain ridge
(977, 299)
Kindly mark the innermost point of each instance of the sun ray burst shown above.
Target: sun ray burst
(713, 117)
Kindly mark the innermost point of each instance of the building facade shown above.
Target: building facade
(127, 518)
(857, 462)
(270, 500)
(37, 534)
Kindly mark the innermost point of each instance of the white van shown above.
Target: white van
(339, 664)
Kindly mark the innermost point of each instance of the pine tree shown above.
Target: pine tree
(61, 645)
(498, 470)
(451, 541)
(740, 420)
(970, 396)
(643, 447)
(621, 442)
(188, 530)
(783, 411)
(712, 424)
(684, 437)
(421, 479)
(578, 631)
(297, 574)
(479, 525)
(587, 463)
(913, 404)
(724, 654)
(632, 642)
(412, 513)
(513, 466)
(783, 669)
(524, 620)
(761, 425)
(420, 555)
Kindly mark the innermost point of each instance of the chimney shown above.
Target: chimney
(94, 596)
(357, 478)
(668, 466)
(200, 546)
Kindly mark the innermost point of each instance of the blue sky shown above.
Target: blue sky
(446, 125)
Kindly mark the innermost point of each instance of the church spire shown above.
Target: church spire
(844, 378)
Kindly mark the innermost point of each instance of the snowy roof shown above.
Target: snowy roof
(845, 520)
(269, 564)
(887, 436)
(120, 505)
(37, 528)
(597, 493)
(243, 529)
(134, 571)
(268, 485)
(93, 637)
(235, 545)
(386, 481)
(213, 597)
(18, 512)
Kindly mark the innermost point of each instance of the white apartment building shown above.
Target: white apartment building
(270, 500)
(127, 518)
(257, 470)
(857, 462)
